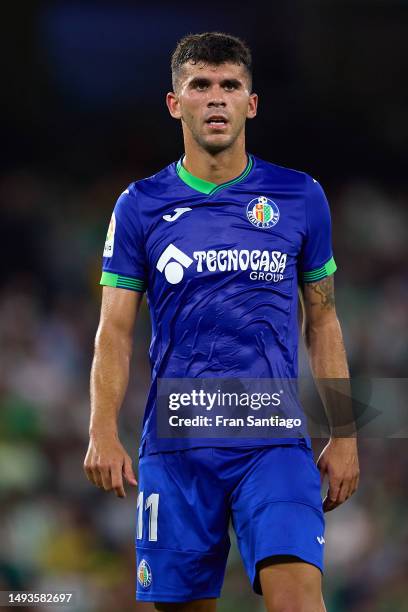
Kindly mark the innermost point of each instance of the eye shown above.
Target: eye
(229, 87)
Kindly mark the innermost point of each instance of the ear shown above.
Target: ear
(173, 105)
(252, 106)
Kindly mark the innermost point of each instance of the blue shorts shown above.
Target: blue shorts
(185, 503)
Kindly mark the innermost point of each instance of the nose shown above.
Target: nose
(215, 101)
(216, 97)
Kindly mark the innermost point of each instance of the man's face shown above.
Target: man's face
(213, 103)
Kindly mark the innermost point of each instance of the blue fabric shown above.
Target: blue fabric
(271, 494)
(316, 249)
(221, 284)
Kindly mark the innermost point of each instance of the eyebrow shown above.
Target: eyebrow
(205, 81)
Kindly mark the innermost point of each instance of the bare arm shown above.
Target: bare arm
(324, 342)
(106, 460)
(321, 330)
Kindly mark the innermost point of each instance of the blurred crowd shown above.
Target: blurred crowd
(57, 531)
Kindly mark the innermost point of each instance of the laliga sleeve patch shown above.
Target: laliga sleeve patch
(110, 238)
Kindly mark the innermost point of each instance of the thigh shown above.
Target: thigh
(290, 584)
(182, 540)
(277, 510)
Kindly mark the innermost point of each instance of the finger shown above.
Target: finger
(334, 488)
(352, 488)
(106, 478)
(117, 481)
(128, 472)
(328, 504)
(344, 491)
(96, 477)
(354, 485)
(330, 501)
(88, 473)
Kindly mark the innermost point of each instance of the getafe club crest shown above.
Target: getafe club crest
(144, 574)
(262, 212)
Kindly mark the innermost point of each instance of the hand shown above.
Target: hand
(106, 463)
(339, 460)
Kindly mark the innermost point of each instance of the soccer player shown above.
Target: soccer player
(220, 241)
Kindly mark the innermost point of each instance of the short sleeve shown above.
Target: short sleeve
(124, 262)
(316, 260)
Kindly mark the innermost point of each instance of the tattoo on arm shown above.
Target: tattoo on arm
(323, 293)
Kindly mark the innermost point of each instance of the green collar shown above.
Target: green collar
(205, 186)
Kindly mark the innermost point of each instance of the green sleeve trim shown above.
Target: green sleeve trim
(122, 282)
(315, 275)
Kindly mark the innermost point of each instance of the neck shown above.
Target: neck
(216, 168)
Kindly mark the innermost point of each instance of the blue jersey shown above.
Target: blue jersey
(221, 266)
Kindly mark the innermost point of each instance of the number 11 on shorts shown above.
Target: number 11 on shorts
(152, 505)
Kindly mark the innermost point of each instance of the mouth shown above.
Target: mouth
(217, 121)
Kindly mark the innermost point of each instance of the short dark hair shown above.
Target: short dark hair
(211, 48)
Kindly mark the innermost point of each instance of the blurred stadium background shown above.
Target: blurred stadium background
(83, 87)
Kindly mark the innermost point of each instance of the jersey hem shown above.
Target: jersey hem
(181, 599)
